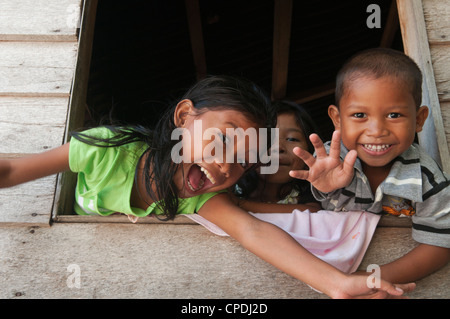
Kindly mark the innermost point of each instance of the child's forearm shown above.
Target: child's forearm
(275, 246)
(20, 170)
(5, 169)
(270, 243)
(279, 249)
(418, 263)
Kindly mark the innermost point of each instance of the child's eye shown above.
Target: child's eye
(292, 139)
(224, 138)
(359, 115)
(394, 115)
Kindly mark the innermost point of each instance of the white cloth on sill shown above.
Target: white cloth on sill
(338, 238)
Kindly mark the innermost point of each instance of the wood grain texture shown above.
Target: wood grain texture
(31, 124)
(39, 20)
(37, 68)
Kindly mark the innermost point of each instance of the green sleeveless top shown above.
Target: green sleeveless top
(106, 176)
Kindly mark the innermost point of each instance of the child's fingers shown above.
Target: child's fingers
(396, 290)
(305, 156)
(318, 145)
(406, 287)
(300, 174)
(349, 162)
(389, 291)
(335, 147)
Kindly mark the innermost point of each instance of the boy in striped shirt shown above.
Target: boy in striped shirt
(373, 162)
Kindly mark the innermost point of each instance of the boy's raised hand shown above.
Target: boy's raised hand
(326, 171)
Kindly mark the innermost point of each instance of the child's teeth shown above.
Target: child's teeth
(190, 186)
(208, 175)
(376, 148)
(200, 185)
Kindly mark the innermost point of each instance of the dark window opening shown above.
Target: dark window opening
(142, 58)
(145, 56)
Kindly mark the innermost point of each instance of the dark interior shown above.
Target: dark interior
(142, 58)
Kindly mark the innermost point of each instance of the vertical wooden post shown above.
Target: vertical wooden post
(196, 36)
(391, 26)
(415, 42)
(65, 186)
(281, 41)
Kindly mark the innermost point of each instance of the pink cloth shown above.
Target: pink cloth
(340, 239)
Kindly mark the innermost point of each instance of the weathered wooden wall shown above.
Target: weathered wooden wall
(420, 44)
(437, 19)
(38, 52)
(163, 261)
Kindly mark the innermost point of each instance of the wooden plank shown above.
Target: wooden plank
(35, 264)
(122, 219)
(35, 84)
(24, 139)
(27, 204)
(394, 221)
(437, 18)
(39, 20)
(31, 125)
(64, 194)
(312, 94)
(196, 36)
(281, 42)
(415, 42)
(445, 107)
(37, 68)
(391, 27)
(77, 103)
(385, 221)
(440, 56)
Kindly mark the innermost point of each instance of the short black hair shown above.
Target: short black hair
(377, 63)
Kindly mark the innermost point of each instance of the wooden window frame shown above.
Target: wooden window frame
(413, 28)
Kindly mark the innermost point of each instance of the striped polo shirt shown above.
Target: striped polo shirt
(416, 186)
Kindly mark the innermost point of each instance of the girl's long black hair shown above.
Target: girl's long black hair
(211, 93)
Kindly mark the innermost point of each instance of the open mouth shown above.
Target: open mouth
(199, 178)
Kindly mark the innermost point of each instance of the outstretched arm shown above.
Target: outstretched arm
(20, 170)
(278, 248)
(418, 263)
(326, 171)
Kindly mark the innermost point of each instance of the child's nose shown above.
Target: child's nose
(224, 167)
(377, 128)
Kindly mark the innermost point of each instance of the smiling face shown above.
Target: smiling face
(291, 135)
(378, 118)
(198, 174)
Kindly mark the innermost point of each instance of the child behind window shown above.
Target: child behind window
(257, 192)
